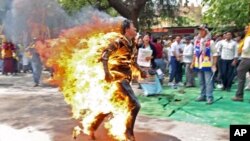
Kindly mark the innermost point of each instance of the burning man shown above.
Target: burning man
(122, 51)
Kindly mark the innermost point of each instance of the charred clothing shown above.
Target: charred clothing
(118, 60)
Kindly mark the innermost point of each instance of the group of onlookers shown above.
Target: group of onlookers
(220, 59)
(15, 59)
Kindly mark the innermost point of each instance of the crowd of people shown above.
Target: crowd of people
(218, 60)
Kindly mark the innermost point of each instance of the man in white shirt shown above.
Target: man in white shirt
(188, 53)
(217, 76)
(243, 67)
(229, 57)
(176, 54)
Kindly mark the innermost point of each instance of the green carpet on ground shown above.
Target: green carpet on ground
(171, 104)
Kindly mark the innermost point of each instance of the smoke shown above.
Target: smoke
(24, 20)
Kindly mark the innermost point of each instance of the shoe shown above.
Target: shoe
(237, 99)
(180, 84)
(189, 85)
(247, 88)
(210, 101)
(200, 99)
(174, 86)
(219, 86)
(170, 84)
(36, 85)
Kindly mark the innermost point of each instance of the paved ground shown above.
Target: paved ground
(43, 110)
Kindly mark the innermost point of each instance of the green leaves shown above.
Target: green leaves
(227, 13)
(72, 6)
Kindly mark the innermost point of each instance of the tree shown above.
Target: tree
(128, 8)
(144, 10)
(227, 13)
(72, 6)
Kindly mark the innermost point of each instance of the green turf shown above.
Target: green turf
(220, 114)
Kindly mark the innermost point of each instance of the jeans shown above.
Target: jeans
(36, 70)
(242, 69)
(189, 75)
(206, 84)
(175, 70)
(217, 76)
(227, 73)
(161, 64)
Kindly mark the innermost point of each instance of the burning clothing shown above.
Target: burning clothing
(118, 60)
(120, 57)
(80, 76)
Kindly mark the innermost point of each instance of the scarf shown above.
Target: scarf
(203, 60)
(241, 44)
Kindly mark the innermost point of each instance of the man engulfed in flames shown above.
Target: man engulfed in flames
(119, 59)
(93, 66)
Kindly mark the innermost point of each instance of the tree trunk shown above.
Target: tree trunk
(131, 11)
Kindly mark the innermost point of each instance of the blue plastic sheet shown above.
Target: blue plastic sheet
(151, 86)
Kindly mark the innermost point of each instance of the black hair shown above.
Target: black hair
(154, 40)
(148, 33)
(232, 34)
(125, 25)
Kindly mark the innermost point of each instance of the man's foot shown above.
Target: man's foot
(174, 86)
(180, 84)
(92, 135)
(200, 99)
(170, 84)
(189, 85)
(219, 86)
(210, 101)
(36, 85)
(130, 138)
(236, 98)
(247, 88)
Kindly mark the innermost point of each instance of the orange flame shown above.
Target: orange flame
(74, 59)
